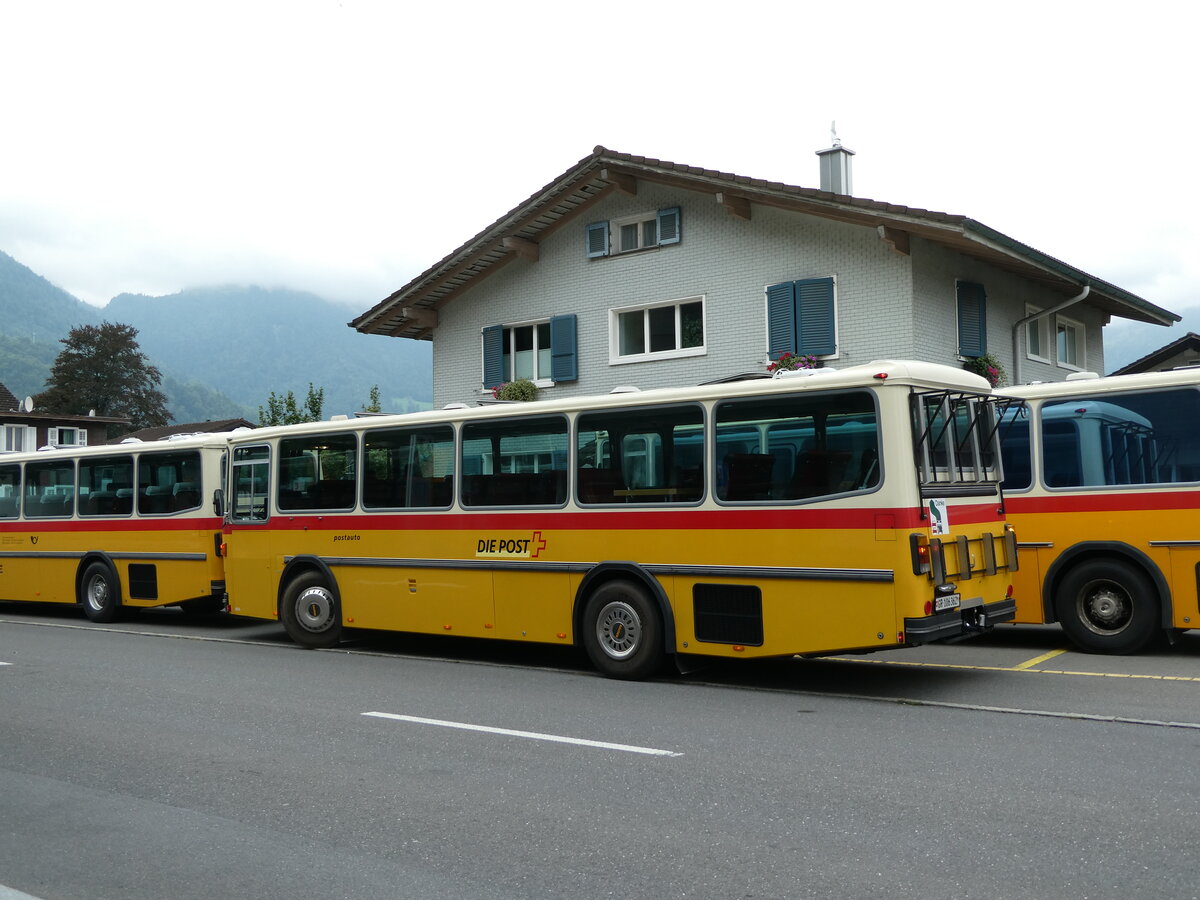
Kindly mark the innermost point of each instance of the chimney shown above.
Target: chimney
(835, 166)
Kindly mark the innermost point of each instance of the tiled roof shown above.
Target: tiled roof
(8, 400)
(604, 171)
(163, 431)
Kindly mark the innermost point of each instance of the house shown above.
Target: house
(629, 270)
(164, 432)
(24, 429)
(1182, 352)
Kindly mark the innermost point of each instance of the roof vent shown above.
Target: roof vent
(1083, 376)
(835, 166)
(625, 389)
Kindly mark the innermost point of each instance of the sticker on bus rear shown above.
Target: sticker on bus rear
(939, 518)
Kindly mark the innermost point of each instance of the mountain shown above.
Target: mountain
(33, 308)
(249, 341)
(221, 350)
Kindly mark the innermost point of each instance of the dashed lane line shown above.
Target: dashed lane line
(530, 735)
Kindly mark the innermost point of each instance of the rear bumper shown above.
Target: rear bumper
(956, 624)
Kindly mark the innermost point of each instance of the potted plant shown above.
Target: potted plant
(522, 389)
(987, 366)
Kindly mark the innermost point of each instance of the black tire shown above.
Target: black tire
(1108, 606)
(310, 612)
(623, 631)
(100, 593)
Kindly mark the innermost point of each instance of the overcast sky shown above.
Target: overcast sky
(343, 146)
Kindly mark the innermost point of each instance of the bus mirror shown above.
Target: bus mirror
(219, 503)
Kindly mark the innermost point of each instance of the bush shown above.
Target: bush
(522, 390)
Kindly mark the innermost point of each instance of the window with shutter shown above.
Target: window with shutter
(543, 352)
(630, 233)
(972, 319)
(802, 318)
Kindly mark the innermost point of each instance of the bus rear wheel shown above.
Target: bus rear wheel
(310, 612)
(623, 631)
(99, 593)
(1108, 606)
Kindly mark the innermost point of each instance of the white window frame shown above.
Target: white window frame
(641, 220)
(543, 380)
(1042, 327)
(26, 433)
(54, 436)
(614, 332)
(1063, 324)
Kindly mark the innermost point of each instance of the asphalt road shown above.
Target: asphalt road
(174, 756)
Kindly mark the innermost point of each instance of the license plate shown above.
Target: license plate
(946, 601)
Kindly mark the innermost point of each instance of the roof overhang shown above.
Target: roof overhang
(411, 311)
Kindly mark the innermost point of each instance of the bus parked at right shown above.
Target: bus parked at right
(1102, 483)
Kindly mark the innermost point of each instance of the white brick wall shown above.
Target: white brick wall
(888, 304)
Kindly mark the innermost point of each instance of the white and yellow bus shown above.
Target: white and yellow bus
(1102, 482)
(835, 511)
(115, 526)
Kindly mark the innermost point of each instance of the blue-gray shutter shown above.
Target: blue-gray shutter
(563, 357)
(668, 226)
(815, 317)
(596, 240)
(781, 319)
(493, 356)
(972, 319)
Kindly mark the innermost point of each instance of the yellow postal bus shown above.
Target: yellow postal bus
(815, 513)
(107, 527)
(1102, 482)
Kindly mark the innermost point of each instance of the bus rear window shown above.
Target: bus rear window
(168, 482)
(796, 447)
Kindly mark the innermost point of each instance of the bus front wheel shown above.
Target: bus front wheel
(310, 612)
(99, 593)
(1108, 606)
(622, 631)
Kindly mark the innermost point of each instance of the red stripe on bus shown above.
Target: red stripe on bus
(203, 523)
(609, 520)
(1128, 501)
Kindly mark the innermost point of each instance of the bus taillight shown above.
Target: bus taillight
(919, 546)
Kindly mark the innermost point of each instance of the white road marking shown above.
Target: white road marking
(532, 735)
(7, 893)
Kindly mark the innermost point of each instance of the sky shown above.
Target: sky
(344, 146)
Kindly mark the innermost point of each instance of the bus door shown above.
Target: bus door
(248, 553)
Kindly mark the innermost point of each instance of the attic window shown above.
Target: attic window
(631, 233)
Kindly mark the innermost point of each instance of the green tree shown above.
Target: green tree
(373, 406)
(283, 410)
(101, 368)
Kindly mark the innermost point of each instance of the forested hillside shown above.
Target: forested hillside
(222, 351)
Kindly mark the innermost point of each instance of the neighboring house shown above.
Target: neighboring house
(164, 432)
(23, 429)
(1178, 354)
(628, 270)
